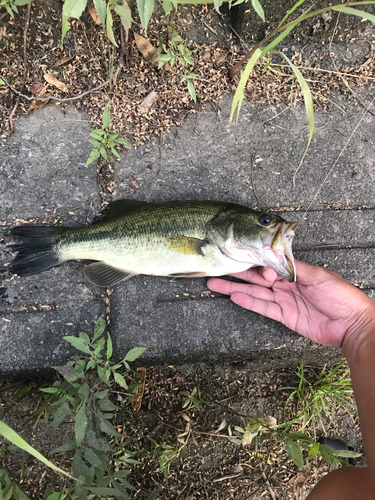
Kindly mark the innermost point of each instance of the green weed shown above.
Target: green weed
(11, 6)
(177, 52)
(105, 141)
(317, 398)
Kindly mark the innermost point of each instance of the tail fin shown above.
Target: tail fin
(36, 248)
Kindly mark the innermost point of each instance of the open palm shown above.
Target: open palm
(321, 305)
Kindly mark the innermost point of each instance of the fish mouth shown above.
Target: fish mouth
(282, 260)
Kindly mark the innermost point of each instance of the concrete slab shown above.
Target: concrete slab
(203, 159)
(42, 175)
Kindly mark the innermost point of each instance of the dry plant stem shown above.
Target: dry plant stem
(52, 97)
(245, 59)
(27, 22)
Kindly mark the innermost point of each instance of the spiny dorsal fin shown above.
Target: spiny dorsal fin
(102, 274)
(185, 244)
(118, 208)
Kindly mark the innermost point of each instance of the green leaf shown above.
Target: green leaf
(101, 394)
(71, 8)
(98, 131)
(78, 343)
(92, 458)
(354, 12)
(115, 152)
(258, 9)
(120, 380)
(109, 347)
(61, 413)
(107, 405)
(133, 354)
(80, 425)
(100, 6)
(109, 26)
(18, 441)
(70, 445)
(85, 337)
(145, 11)
(218, 4)
(191, 90)
(327, 454)
(103, 152)
(51, 390)
(299, 436)
(99, 328)
(90, 160)
(167, 6)
(347, 454)
(295, 453)
(99, 444)
(2, 81)
(290, 11)
(314, 450)
(106, 117)
(308, 103)
(108, 428)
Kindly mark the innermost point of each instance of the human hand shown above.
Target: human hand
(320, 305)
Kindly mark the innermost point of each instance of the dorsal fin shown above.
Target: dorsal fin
(118, 208)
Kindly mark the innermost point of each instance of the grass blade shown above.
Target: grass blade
(17, 440)
(290, 11)
(308, 104)
(354, 12)
(238, 96)
(259, 9)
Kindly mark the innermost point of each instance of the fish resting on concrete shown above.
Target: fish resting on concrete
(176, 239)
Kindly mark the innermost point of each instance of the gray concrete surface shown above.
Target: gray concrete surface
(203, 159)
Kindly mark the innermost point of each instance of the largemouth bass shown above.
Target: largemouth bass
(177, 239)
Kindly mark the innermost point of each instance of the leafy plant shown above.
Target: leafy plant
(11, 7)
(193, 400)
(177, 52)
(105, 141)
(75, 8)
(83, 397)
(281, 32)
(313, 397)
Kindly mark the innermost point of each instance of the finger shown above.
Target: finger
(263, 307)
(254, 275)
(230, 287)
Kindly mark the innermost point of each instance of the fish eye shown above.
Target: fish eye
(264, 219)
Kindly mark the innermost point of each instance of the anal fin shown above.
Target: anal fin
(101, 274)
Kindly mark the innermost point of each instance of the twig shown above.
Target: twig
(121, 58)
(252, 179)
(52, 97)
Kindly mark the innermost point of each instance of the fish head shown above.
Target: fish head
(257, 238)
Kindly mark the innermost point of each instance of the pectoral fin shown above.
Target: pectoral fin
(185, 245)
(101, 274)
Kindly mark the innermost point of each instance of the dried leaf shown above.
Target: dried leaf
(36, 87)
(94, 14)
(146, 48)
(137, 398)
(125, 15)
(35, 105)
(62, 61)
(148, 102)
(52, 80)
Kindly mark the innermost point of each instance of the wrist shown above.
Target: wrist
(361, 333)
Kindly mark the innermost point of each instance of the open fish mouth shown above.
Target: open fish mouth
(281, 246)
(277, 249)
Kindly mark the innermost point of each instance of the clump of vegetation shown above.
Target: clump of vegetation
(177, 52)
(11, 6)
(105, 141)
(316, 398)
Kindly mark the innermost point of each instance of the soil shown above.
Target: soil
(212, 467)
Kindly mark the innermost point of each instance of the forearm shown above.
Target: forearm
(359, 349)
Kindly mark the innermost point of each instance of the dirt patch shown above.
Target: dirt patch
(87, 60)
(212, 466)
